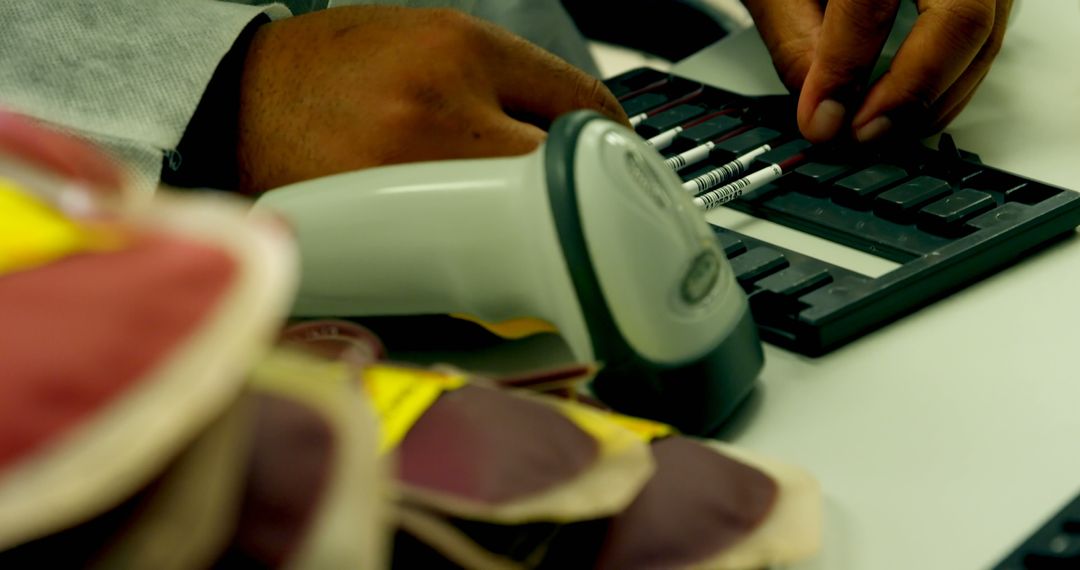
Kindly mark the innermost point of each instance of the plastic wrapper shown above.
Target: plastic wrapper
(708, 506)
(143, 423)
(704, 506)
(479, 453)
(151, 338)
(452, 450)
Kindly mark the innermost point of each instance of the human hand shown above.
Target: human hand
(828, 52)
(356, 87)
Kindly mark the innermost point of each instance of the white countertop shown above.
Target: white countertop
(945, 438)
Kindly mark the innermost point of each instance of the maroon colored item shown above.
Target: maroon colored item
(289, 469)
(698, 504)
(336, 340)
(492, 447)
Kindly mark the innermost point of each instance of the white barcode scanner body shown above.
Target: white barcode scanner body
(590, 233)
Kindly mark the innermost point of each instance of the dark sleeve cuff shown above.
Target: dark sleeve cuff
(206, 155)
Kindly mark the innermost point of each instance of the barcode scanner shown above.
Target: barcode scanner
(590, 233)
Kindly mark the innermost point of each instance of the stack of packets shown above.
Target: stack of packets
(154, 415)
(137, 427)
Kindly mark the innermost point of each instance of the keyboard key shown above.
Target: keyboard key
(956, 172)
(636, 80)
(706, 131)
(1061, 550)
(781, 153)
(644, 102)
(757, 263)
(948, 214)
(1031, 193)
(674, 92)
(1044, 562)
(731, 245)
(857, 190)
(794, 281)
(812, 177)
(1005, 215)
(1021, 192)
(902, 202)
(1011, 188)
(1055, 545)
(992, 181)
(738, 145)
(669, 119)
(760, 193)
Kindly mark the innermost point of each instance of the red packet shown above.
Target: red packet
(115, 358)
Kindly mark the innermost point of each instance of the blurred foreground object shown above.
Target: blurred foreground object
(147, 422)
(131, 422)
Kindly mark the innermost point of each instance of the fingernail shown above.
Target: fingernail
(827, 120)
(873, 130)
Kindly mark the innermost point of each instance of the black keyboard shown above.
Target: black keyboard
(947, 219)
(1056, 545)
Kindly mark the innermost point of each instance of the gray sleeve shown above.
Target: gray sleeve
(126, 74)
(543, 22)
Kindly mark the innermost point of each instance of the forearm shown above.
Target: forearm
(127, 74)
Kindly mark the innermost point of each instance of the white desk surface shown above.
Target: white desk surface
(945, 438)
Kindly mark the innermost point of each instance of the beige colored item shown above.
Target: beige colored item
(622, 468)
(194, 504)
(450, 542)
(350, 527)
(791, 532)
(179, 397)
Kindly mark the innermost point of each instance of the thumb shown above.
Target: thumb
(851, 38)
(790, 30)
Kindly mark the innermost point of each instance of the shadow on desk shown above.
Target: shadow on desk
(743, 415)
(437, 339)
